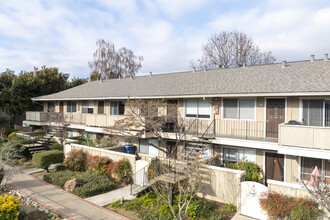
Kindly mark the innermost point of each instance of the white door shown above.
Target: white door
(141, 172)
(250, 193)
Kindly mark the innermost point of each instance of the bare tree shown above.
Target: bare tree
(57, 122)
(180, 172)
(10, 151)
(320, 192)
(231, 49)
(110, 63)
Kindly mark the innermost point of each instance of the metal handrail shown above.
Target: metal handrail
(142, 171)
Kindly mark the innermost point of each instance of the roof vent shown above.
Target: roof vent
(119, 76)
(204, 68)
(244, 64)
(194, 69)
(312, 58)
(326, 57)
(150, 73)
(131, 77)
(283, 64)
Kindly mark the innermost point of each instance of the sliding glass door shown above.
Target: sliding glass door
(316, 112)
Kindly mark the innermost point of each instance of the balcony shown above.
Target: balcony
(102, 120)
(304, 136)
(249, 130)
(36, 116)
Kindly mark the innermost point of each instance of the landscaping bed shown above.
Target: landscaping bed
(94, 184)
(149, 206)
(13, 201)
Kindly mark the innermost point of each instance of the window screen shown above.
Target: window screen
(87, 107)
(191, 108)
(239, 108)
(313, 112)
(117, 108)
(230, 108)
(246, 108)
(71, 106)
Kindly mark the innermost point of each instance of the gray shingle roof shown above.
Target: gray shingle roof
(297, 77)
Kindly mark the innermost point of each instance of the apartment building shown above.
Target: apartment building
(276, 115)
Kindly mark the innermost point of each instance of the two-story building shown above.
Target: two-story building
(276, 115)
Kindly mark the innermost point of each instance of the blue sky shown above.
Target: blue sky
(167, 33)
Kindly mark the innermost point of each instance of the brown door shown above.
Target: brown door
(275, 115)
(100, 109)
(274, 167)
(61, 107)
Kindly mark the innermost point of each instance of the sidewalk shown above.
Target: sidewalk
(69, 206)
(112, 196)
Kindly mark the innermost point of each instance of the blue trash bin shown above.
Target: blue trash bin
(130, 149)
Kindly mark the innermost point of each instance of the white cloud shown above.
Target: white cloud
(63, 34)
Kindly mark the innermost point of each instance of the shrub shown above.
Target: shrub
(84, 140)
(123, 168)
(281, 206)
(228, 208)
(38, 130)
(9, 207)
(12, 135)
(200, 208)
(94, 183)
(56, 146)
(76, 160)
(252, 171)
(9, 131)
(97, 164)
(156, 168)
(119, 170)
(46, 158)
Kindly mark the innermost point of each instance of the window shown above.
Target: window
(145, 147)
(71, 107)
(316, 112)
(87, 107)
(308, 165)
(117, 108)
(197, 108)
(202, 151)
(51, 107)
(233, 155)
(239, 109)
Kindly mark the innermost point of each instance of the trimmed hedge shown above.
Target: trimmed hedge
(56, 146)
(94, 183)
(46, 158)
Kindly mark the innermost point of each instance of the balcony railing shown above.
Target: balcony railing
(36, 116)
(251, 130)
(102, 120)
(304, 136)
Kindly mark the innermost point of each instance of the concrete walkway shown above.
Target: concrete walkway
(112, 196)
(242, 217)
(55, 199)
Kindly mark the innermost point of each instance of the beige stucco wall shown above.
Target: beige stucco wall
(291, 168)
(260, 109)
(293, 108)
(222, 184)
(260, 158)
